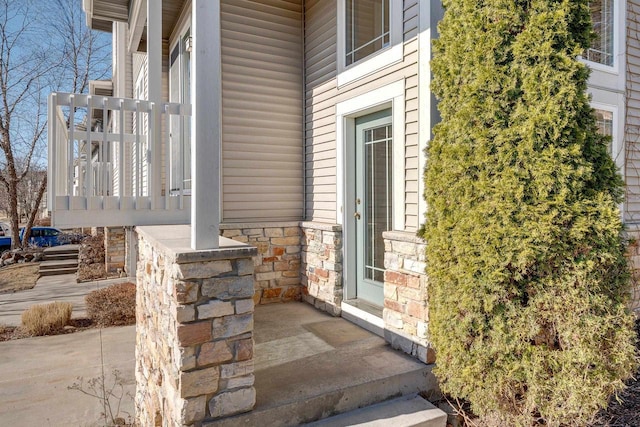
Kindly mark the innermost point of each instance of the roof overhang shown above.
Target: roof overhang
(101, 88)
(102, 13)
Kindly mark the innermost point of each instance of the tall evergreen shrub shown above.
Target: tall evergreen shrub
(528, 281)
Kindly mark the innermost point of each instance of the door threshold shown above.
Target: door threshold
(364, 314)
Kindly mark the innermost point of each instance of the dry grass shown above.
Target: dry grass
(113, 306)
(18, 277)
(46, 319)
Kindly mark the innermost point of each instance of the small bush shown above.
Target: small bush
(113, 306)
(89, 272)
(46, 319)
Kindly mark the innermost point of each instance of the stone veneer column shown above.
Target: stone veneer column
(277, 263)
(194, 343)
(322, 266)
(405, 312)
(114, 249)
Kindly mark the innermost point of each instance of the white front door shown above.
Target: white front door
(374, 201)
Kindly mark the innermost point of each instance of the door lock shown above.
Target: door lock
(358, 201)
(356, 215)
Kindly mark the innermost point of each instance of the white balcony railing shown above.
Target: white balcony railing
(110, 164)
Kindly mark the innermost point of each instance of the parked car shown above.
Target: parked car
(44, 236)
(5, 229)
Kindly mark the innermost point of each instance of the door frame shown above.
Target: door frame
(389, 96)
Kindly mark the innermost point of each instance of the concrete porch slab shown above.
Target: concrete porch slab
(309, 366)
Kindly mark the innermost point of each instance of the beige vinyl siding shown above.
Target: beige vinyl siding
(322, 95)
(262, 110)
(410, 19)
(632, 119)
(412, 148)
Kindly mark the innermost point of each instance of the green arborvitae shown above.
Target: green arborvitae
(528, 280)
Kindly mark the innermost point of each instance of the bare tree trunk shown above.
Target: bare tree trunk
(13, 214)
(34, 211)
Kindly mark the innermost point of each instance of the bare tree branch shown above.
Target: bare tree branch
(43, 47)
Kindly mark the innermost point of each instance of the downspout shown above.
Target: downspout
(304, 114)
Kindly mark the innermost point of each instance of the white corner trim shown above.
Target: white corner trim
(381, 59)
(391, 95)
(424, 99)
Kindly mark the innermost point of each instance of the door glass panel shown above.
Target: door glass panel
(378, 198)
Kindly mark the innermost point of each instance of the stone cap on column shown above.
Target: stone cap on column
(174, 241)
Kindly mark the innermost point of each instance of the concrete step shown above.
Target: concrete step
(57, 264)
(58, 271)
(310, 366)
(60, 256)
(407, 411)
(63, 249)
(58, 267)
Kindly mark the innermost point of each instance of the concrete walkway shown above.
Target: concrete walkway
(48, 289)
(35, 374)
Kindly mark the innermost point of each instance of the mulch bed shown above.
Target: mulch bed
(8, 333)
(624, 412)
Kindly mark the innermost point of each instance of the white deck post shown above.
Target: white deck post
(154, 59)
(206, 89)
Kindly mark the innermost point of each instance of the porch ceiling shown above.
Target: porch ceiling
(102, 13)
(170, 14)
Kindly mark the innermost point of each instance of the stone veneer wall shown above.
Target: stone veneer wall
(634, 260)
(114, 249)
(194, 343)
(322, 266)
(405, 313)
(277, 264)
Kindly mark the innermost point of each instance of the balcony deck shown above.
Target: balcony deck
(112, 161)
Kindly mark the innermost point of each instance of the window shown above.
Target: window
(367, 28)
(601, 50)
(604, 122)
(369, 37)
(180, 92)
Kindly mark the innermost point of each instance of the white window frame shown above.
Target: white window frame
(619, 17)
(617, 129)
(177, 37)
(382, 58)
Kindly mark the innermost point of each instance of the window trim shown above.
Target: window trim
(617, 147)
(376, 61)
(618, 24)
(177, 38)
(389, 96)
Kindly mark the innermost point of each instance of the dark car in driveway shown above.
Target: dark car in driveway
(44, 236)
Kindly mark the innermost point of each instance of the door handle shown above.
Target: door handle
(356, 215)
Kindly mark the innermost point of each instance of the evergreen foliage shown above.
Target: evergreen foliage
(528, 280)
